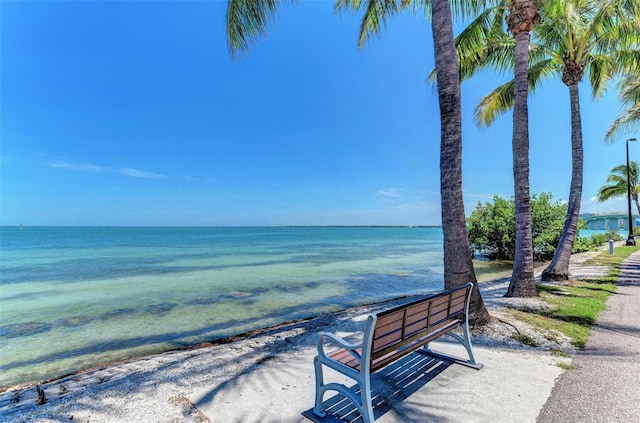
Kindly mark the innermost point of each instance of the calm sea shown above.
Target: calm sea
(76, 297)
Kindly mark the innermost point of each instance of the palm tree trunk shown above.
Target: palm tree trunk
(522, 280)
(458, 267)
(559, 267)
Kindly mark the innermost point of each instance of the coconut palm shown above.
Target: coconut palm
(485, 43)
(523, 17)
(630, 117)
(476, 47)
(575, 37)
(616, 185)
(247, 20)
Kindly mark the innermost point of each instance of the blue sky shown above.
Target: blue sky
(133, 113)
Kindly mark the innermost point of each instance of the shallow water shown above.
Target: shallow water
(73, 298)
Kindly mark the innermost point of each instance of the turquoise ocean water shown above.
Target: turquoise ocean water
(77, 297)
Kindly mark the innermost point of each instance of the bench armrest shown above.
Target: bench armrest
(331, 338)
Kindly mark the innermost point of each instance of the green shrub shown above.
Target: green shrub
(594, 241)
(492, 228)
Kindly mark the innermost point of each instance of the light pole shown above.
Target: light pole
(631, 240)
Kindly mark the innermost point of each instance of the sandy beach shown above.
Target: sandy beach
(268, 376)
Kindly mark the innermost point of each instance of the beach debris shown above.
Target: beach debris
(42, 398)
(189, 407)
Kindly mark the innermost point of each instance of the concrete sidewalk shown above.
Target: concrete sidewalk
(605, 384)
(512, 387)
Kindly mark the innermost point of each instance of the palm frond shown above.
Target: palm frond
(494, 104)
(628, 122)
(608, 192)
(553, 33)
(630, 89)
(628, 61)
(616, 185)
(341, 6)
(466, 9)
(601, 70)
(484, 44)
(247, 20)
(500, 100)
(376, 13)
(375, 17)
(540, 71)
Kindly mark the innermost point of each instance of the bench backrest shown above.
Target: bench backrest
(406, 324)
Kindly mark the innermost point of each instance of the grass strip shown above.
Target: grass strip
(577, 303)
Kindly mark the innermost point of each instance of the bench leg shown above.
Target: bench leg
(365, 393)
(465, 340)
(363, 403)
(317, 408)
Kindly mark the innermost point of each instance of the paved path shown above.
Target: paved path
(605, 385)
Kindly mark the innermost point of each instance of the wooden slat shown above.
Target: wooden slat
(389, 339)
(390, 317)
(393, 326)
(405, 328)
(416, 327)
(417, 312)
(385, 357)
(345, 357)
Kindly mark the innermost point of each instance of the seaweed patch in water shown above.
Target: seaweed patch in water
(288, 288)
(312, 284)
(236, 294)
(16, 330)
(161, 308)
(119, 312)
(74, 321)
(203, 301)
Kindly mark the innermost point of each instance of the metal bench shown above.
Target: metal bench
(388, 336)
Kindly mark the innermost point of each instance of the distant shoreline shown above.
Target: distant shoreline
(226, 226)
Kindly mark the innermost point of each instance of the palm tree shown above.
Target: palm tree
(458, 266)
(630, 117)
(616, 185)
(523, 17)
(247, 20)
(484, 43)
(575, 37)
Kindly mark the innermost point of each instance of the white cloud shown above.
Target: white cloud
(135, 173)
(80, 167)
(86, 167)
(613, 205)
(390, 193)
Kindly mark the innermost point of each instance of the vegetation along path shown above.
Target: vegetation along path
(603, 386)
